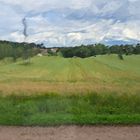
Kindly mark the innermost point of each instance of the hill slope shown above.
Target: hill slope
(101, 90)
(74, 75)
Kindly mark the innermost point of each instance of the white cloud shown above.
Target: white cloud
(70, 22)
(17, 36)
(75, 36)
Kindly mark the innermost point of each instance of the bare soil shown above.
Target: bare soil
(71, 133)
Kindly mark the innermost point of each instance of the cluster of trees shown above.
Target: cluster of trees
(84, 51)
(27, 50)
(17, 50)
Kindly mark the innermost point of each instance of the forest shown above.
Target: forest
(26, 50)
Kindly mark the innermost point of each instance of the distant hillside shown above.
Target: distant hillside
(104, 73)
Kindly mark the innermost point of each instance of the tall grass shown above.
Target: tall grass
(54, 109)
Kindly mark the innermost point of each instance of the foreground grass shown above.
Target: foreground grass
(54, 109)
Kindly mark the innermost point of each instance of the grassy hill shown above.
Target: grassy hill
(74, 75)
(57, 91)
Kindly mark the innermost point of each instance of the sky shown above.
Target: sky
(59, 23)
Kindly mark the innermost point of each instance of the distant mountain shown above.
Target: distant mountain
(119, 42)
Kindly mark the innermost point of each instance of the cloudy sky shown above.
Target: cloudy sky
(71, 22)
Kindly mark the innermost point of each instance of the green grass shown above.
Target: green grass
(101, 90)
(57, 74)
(54, 109)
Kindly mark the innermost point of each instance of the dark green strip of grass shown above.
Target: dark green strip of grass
(73, 109)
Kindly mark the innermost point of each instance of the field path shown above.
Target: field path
(77, 72)
(70, 133)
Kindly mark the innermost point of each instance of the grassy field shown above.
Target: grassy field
(55, 91)
(75, 75)
(54, 109)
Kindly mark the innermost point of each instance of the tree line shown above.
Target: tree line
(84, 51)
(26, 50)
(18, 50)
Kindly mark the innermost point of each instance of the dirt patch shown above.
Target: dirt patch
(70, 133)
